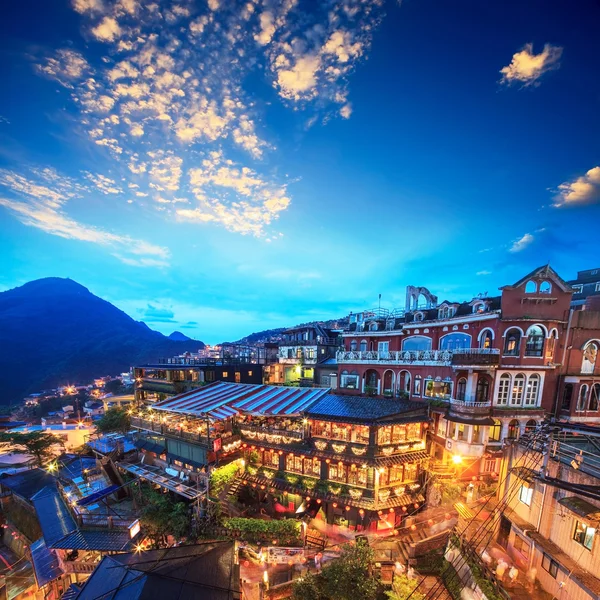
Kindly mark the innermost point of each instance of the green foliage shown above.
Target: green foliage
(348, 578)
(403, 587)
(114, 419)
(286, 532)
(451, 580)
(114, 386)
(161, 517)
(292, 479)
(40, 444)
(322, 486)
(222, 477)
(482, 581)
(450, 493)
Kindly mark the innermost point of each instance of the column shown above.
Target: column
(471, 390)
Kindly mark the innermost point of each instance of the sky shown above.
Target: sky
(220, 167)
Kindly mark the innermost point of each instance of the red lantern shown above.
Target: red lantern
(280, 452)
(246, 563)
(253, 485)
(404, 509)
(319, 501)
(307, 498)
(334, 505)
(262, 487)
(327, 461)
(416, 505)
(274, 542)
(392, 511)
(361, 512)
(413, 527)
(430, 522)
(347, 508)
(474, 478)
(244, 445)
(379, 512)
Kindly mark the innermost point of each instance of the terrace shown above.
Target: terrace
(462, 357)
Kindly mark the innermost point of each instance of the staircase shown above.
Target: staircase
(314, 539)
(233, 487)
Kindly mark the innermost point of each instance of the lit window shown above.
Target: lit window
(550, 565)
(512, 342)
(225, 374)
(516, 398)
(504, 389)
(584, 534)
(531, 393)
(535, 341)
(581, 399)
(525, 494)
(249, 373)
(590, 354)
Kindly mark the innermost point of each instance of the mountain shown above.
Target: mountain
(54, 331)
(177, 336)
(275, 335)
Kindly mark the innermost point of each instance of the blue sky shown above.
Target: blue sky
(223, 167)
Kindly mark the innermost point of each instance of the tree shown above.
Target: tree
(161, 517)
(114, 386)
(403, 587)
(348, 578)
(114, 419)
(40, 444)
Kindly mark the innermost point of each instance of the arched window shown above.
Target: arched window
(417, 342)
(530, 287)
(404, 382)
(567, 396)
(479, 307)
(581, 398)
(455, 341)
(532, 391)
(373, 326)
(590, 354)
(545, 287)
(530, 426)
(495, 431)
(445, 312)
(594, 396)
(419, 316)
(417, 386)
(516, 398)
(513, 430)
(353, 346)
(363, 345)
(485, 339)
(388, 382)
(535, 341)
(482, 392)
(504, 389)
(512, 342)
(461, 389)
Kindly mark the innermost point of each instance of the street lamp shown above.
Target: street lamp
(457, 459)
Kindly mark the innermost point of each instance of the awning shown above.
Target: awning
(150, 446)
(400, 459)
(470, 420)
(45, 563)
(580, 507)
(107, 491)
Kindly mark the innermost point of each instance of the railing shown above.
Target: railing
(70, 566)
(253, 431)
(396, 357)
(96, 520)
(471, 403)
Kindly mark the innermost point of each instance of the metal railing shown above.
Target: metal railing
(260, 432)
(395, 357)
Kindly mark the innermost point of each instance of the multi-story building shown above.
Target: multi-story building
(172, 376)
(306, 357)
(586, 285)
(550, 510)
(488, 367)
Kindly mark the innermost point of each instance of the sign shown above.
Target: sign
(216, 444)
(134, 529)
(278, 555)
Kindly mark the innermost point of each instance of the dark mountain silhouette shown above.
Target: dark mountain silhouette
(54, 331)
(177, 336)
(276, 335)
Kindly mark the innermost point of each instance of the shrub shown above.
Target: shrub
(223, 476)
(286, 532)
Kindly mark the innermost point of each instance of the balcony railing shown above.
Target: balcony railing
(401, 357)
(466, 403)
(256, 432)
(476, 356)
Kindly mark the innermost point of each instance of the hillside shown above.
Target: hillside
(274, 335)
(54, 331)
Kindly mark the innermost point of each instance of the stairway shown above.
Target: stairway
(314, 539)
(234, 486)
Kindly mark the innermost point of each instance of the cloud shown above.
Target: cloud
(104, 184)
(521, 243)
(83, 6)
(40, 202)
(155, 314)
(527, 67)
(107, 30)
(483, 273)
(583, 190)
(66, 66)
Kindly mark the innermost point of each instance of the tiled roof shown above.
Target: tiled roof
(354, 408)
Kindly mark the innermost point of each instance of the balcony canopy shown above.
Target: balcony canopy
(221, 400)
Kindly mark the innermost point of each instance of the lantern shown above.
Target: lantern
(413, 527)
(404, 509)
(391, 511)
(319, 500)
(334, 505)
(262, 487)
(253, 485)
(307, 498)
(474, 478)
(430, 522)
(274, 542)
(347, 508)
(361, 512)
(327, 461)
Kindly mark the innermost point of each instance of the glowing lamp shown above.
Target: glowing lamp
(392, 511)
(404, 509)
(347, 508)
(416, 505)
(413, 527)
(335, 505)
(307, 498)
(457, 459)
(361, 512)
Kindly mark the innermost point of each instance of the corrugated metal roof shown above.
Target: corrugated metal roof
(45, 563)
(54, 517)
(100, 540)
(221, 400)
(357, 408)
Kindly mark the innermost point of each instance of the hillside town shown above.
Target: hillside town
(448, 448)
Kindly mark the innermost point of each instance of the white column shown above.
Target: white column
(471, 386)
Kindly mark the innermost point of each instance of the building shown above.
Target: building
(586, 285)
(306, 357)
(487, 367)
(550, 509)
(73, 434)
(172, 376)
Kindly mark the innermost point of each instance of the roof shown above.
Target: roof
(204, 571)
(45, 563)
(54, 517)
(545, 271)
(102, 540)
(91, 498)
(28, 483)
(220, 400)
(73, 467)
(474, 420)
(580, 507)
(72, 592)
(355, 408)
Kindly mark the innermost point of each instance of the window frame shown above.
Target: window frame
(584, 538)
(552, 566)
(528, 494)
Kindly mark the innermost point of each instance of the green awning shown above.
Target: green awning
(580, 507)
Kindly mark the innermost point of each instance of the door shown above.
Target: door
(505, 526)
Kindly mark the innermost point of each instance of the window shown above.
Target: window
(489, 465)
(384, 349)
(417, 387)
(567, 396)
(373, 326)
(504, 389)
(590, 354)
(530, 426)
(577, 288)
(310, 353)
(584, 534)
(455, 341)
(581, 398)
(445, 312)
(419, 316)
(461, 388)
(535, 341)
(531, 393)
(545, 287)
(485, 340)
(438, 389)
(516, 398)
(597, 288)
(512, 342)
(495, 432)
(238, 377)
(525, 494)
(551, 344)
(550, 565)
(483, 389)
(479, 307)
(353, 346)
(530, 287)
(513, 430)
(225, 374)
(416, 342)
(594, 397)
(520, 545)
(363, 345)
(349, 381)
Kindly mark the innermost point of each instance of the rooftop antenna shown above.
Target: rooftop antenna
(379, 303)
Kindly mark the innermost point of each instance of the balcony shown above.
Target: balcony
(401, 357)
(476, 357)
(299, 354)
(270, 434)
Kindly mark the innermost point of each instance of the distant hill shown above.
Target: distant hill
(275, 335)
(54, 331)
(177, 336)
